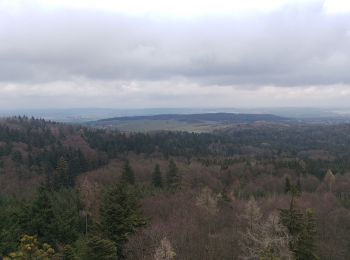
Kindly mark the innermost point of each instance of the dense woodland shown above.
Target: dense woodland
(250, 191)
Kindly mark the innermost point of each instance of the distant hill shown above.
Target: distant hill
(205, 122)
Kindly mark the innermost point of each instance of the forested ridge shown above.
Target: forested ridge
(251, 191)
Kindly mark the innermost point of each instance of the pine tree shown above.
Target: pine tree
(121, 214)
(128, 174)
(157, 179)
(173, 178)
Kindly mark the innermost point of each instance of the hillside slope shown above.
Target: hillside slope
(30, 151)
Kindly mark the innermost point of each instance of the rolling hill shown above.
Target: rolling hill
(206, 122)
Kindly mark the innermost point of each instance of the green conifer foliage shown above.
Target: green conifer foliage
(41, 218)
(121, 214)
(287, 185)
(301, 227)
(61, 175)
(173, 178)
(306, 243)
(157, 179)
(128, 175)
(96, 248)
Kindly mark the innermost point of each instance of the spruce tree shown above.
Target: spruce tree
(305, 246)
(40, 219)
(287, 185)
(128, 174)
(121, 214)
(173, 178)
(97, 248)
(61, 176)
(157, 179)
(301, 227)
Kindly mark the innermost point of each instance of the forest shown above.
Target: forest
(266, 191)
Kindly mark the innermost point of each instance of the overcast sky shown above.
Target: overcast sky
(183, 53)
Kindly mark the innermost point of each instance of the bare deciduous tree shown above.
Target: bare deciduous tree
(165, 251)
(263, 239)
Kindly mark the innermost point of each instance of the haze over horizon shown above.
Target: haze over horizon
(117, 54)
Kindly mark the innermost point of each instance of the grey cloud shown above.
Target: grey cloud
(293, 46)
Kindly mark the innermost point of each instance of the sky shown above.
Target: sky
(183, 53)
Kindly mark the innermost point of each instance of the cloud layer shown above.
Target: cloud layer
(70, 52)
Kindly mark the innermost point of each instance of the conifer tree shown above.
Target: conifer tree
(306, 242)
(287, 185)
(61, 175)
(97, 248)
(298, 186)
(128, 173)
(40, 219)
(121, 214)
(68, 253)
(54, 216)
(301, 227)
(157, 179)
(173, 178)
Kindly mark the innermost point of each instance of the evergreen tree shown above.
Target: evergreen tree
(10, 226)
(40, 219)
(96, 248)
(301, 227)
(157, 179)
(306, 242)
(68, 253)
(54, 216)
(287, 185)
(173, 178)
(69, 222)
(298, 186)
(128, 173)
(121, 214)
(17, 157)
(61, 176)
(293, 220)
